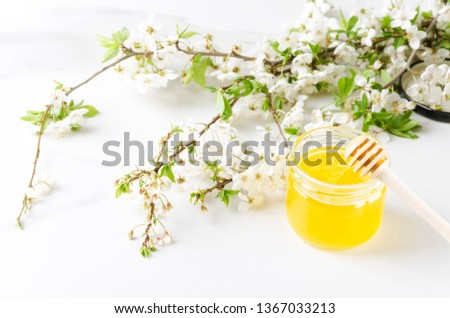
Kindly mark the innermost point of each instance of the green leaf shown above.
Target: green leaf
(223, 106)
(35, 117)
(106, 42)
(377, 86)
(416, 16)
(427, 14)
(248, 87)
(278, 102)
(351, 23)
(292, 130)
(211, 89)
(92, 111)
(145, 251)
(122, 189)
(176, 129)
(350, 86)
(197, 70)
(445, 45)
(367, 122)
(30, 117)
(166, 171)
(343, 22)
(338, 101)
(121, 36)
(187, 34)
(113, 44)
(315, 48)
(225, 195)
(399, 42)
(368, 73)
(385, 77)
(341, 85)
(275, 45)
(110, 54)
(404, 134)
(346, 86)
(386, 22)
(59, 85)
(397, 124)
(75, 128)
(411, 124)
(360, 107)
(118, 192)
(265, 105)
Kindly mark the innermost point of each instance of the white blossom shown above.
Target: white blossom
(367, 36)
(150, 26)
(57, 99)
(76, 117)
(402, 16)
(41, 186)
(154, 80)
(250, 200)
(167, 238)
(379, 134)
(434, 56)
(59, 128)
(346, 53)
(418, 91)
(444, 17)
(414, 36)
(229, 70)
(141, 42)
(397, 104)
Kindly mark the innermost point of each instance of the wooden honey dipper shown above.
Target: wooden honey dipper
(368, 157)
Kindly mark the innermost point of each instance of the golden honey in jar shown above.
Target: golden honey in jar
(328, 204)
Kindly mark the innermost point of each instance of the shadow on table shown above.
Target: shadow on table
(402, 232)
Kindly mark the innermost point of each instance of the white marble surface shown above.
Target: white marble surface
(75, 243)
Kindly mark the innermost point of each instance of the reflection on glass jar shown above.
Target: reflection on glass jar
(329, 205)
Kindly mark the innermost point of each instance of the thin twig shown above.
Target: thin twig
(38, 147)
(276, 120)
(222, 54)
(107, 67)
(36, 158)
(218, 186)
(149, 225)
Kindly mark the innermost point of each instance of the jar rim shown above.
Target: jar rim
(370, 183)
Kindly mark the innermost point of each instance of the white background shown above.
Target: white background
(75, 243)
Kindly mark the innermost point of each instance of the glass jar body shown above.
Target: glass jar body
(331, 216)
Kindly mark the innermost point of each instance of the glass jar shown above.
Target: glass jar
(327, 204)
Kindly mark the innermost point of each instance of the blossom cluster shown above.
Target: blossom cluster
(432, 87)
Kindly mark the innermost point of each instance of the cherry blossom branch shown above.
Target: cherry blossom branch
(413, 54)
(159, 164)
(26, 204)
